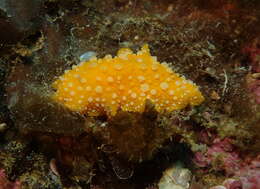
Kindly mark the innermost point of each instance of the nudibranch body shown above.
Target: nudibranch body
(126, 81)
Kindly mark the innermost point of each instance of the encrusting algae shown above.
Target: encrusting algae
(126, 81)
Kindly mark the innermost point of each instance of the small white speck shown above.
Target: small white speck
(93, 64)
(68, 99)
(139, 52)
(154, 67)
(177, 82)
(145, 87)
(76, 75)
(139, 60)
(143, 66)
(83, 80)
(108, 56)
(156, 76)
(70, 84)
(165, 65)
(110, 79)
(164, 85)
(154, 58)
(171, 92)
(113, 102)
(118, 66)
(88, 88)
(141, 78)
(133, 95)
(142, 94)
(81, 96)
(66, 89)
(169, 70)
(153, 91)
(114, 95)
(103, 68)
(121, 87)
(98, 89)
(90, 99)
(79, 88)
(72, 93)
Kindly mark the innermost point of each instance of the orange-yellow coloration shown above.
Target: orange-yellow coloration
(104, 85)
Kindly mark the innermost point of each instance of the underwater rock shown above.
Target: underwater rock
(32, 109)
(24, 14)
(19, 19)
(221, 155)
(175, 177)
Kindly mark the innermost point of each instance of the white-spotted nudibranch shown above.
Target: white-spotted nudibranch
(126, 81)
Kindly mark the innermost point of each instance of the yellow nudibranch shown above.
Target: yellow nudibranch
(126, 81)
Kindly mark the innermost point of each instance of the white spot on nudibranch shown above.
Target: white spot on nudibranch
(110, 79)
(144, 87)
(153, 91)
(98, 89)
(164, 85)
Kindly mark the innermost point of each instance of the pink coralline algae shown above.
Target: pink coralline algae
(241, 173)
(249, 174)
(221, 149)
(254, 87)
(6, 184)
(253, 52)
(247, 177)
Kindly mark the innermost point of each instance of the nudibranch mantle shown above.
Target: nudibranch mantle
(126, 81)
